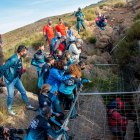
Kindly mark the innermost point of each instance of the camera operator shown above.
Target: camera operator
(101, 21)
(75, 48)
(4, 131)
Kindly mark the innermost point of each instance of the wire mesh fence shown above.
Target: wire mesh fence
(94, 121)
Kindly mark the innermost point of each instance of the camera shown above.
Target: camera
(81, 56)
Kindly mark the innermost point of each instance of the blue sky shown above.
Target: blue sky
(18, 13)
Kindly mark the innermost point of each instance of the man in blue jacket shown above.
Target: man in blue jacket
(12, 71)
(39, 58)
(40, 127)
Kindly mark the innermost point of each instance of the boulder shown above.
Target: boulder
(105, 38)
(120, 20)
(136, 7)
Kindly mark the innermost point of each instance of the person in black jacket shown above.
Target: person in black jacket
(41, 128)
(39, 58)
(45, 70)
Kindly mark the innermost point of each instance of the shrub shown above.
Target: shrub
(119, 4)
(90, 14)
(92, 62)
(38, 41)
(137, 16)
(85, 35)
(92, 39)
(104, 4)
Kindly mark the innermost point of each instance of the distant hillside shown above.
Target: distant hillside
(11, 38)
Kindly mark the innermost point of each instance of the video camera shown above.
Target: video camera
(81, 56)
(11, 133)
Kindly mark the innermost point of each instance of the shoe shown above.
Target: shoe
(1, 90)
(100, 29)
(2, 84)
(104, 28)
(31, 108)
(74, 117)
(12, 113)
(66, 109)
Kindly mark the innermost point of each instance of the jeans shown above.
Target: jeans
(101, 24)
(10, 89)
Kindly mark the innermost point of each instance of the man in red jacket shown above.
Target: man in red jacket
(117, 122)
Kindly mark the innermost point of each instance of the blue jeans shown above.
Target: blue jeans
(101, 24)
(10, 89)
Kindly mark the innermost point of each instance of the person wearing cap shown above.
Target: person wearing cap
(48, 32)
(12, 71)
(59, 44)
(57, 37)
(62, 29)
(114, 103)
(39, 58)
(117, 122)
(82, 66)
(1, 63)
(101, 21)
(80, 20)
(75, 49)
(40, 128)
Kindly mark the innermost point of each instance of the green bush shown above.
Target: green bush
(90, 14)
(92, 62)
(104, 4)
(92, 39)
(119, 4)
(137, 16)
(38, 41)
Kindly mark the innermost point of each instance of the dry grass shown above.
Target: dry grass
(119, 4)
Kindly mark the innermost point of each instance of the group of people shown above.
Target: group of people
(59, 78)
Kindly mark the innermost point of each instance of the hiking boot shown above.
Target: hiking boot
(29, 107)
(12, 113)
(74, 117)
(1, 90)
(100, 29)
(2, 84)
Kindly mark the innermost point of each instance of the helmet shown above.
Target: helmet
(120, 105)
(118, 99)
(79, 40)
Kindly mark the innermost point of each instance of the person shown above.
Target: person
(59, 44)
(117, 122)
(1, 63)
(71, 35)
(55, 77)
(57, 37)
(66, 58)
(117, 101)
(66, 87)
(82, 66)
(48, 32)
(12, 71)
(45, 70)
(62, 29)
(101, 21)
(40, 127)
(75, 51)
(80, 20)
(57, 54)
(39, 58)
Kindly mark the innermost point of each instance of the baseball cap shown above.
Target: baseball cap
(79, 8)
(58, 34)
